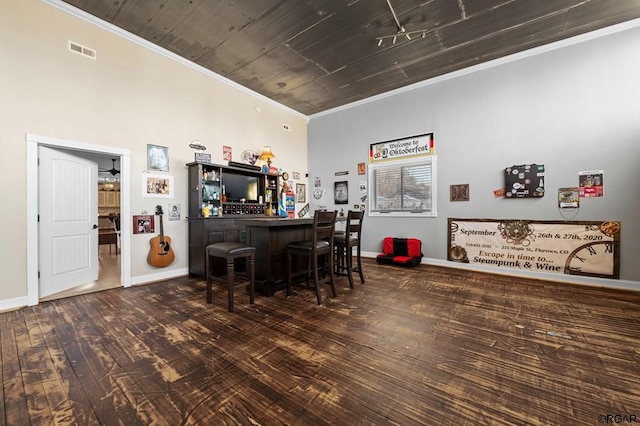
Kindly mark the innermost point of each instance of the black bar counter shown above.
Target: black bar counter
(269, 235)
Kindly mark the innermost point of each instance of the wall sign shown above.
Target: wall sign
(563, 247)
(201, 157)
(400, 149)
(568, 198)
(591, 184)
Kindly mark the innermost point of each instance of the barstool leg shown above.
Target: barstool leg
(314, 263)
(252, 275)
(207, 274)
(289, 272)
(359, 259)
(332, 276)
(349, 263)
(230, 279)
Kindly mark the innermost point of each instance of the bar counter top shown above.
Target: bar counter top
(270, 222)
(261, 221)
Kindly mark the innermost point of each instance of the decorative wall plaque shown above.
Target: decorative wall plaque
(201, 157)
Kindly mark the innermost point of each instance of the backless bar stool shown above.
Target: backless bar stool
(230, 252)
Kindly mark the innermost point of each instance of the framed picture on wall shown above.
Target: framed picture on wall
(157, 158)
(143, 224)
(157, 186)
(301, 193)
(341, 192)
(459, 192)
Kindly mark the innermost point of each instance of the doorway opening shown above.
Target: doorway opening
(114, 262)
(107, 248)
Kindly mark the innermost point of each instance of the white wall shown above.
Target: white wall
(572, 109)
(129, 97)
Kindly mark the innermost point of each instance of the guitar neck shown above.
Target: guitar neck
(161, 229)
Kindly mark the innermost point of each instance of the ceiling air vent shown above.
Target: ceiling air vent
(82, 50)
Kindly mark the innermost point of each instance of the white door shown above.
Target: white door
(68, 230)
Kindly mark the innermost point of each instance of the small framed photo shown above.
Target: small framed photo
(143, 224)
(227, 153)
(157, 186)
(301, 193)
(175, 211)
(157, 158)
(459, 192)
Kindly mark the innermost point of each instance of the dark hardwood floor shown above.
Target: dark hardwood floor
(428, 345)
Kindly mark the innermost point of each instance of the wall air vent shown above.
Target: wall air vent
(82, 50)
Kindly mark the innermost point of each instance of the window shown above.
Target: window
(403, 188)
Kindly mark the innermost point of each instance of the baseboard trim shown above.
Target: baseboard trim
(13, 304)
(159, 276)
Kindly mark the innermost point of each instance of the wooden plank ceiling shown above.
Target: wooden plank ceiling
(314, 55)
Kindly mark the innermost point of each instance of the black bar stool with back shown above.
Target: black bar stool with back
(320, 246)
(345, 242)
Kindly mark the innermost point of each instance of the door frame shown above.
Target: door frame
(33, 141)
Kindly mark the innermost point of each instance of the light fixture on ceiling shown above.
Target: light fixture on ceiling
(108, 180)
(112, 170)
(402, 32)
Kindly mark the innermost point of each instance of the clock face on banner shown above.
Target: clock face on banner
(594, 259)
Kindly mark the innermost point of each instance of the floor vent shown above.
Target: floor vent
(82, 50)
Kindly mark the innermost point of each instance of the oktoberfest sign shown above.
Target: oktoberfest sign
(575, 248)
(400, 149)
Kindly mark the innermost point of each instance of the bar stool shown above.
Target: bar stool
(230, 252)
(345, 242)
(321, 245)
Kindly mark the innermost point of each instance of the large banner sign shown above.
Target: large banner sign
(562, 247)
(400, 149)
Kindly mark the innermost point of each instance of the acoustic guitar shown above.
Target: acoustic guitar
(161, 254)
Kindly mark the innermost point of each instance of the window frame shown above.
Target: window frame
(430, 160)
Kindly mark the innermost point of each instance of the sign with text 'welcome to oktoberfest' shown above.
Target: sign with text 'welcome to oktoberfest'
(588, 248)
(400, 149)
